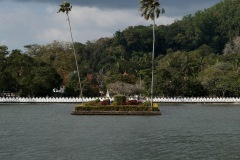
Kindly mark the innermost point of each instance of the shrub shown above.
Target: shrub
(116, 108)
(155, 105)
(147, 103)
(97, 101)
(105, 102)
(90, 103)
(132, 102)
(120, 99)
(114, 103)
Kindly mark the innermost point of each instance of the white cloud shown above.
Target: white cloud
(107, 18)
(50, 34)
(2, 41)
(92, 23)
(27, 24)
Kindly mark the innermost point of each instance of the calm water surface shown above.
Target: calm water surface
(183, 132)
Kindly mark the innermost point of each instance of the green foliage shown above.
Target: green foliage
(115, 108)
(91, 103)
(150, 9)
(120, 99)
(65, 7)
(220, 79)
(146, 103)
(70, 92)
(5, 77)
(59, 56)
(26, 76)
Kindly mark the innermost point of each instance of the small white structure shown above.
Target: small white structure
(107, 94)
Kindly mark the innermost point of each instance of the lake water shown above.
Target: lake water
(182, 132)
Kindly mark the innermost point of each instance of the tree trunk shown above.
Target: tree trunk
(79, 79)
(153, 61)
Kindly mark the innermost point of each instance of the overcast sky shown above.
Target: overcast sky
(24, 22)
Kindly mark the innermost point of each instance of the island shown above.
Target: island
(120, 106)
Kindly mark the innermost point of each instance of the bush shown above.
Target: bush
(104, 105)
(115, 108)
(120, 99)
(97, 101)
(132, 102)
(92, 103)
(147, 103)
(155, 105)
(105, 102)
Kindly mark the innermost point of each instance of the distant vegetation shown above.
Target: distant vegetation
(196, 56)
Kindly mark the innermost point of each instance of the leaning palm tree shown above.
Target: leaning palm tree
(66, 7)
(151, 9)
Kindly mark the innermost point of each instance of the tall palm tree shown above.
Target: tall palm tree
(66, 7)
(151, 9)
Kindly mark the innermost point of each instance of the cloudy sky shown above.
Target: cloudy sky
(24, 22)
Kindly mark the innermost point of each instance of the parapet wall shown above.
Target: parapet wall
(86, 99)
(46, 99)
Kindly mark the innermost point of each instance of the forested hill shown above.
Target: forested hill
(196, 56)
(214, 27)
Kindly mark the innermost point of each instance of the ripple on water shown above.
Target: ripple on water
(48, 131)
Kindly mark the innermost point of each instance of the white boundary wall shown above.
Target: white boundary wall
(157, 99)
(46, 100)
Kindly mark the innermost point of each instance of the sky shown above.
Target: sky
(25, 22)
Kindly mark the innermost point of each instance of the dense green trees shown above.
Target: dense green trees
(26, 76)
(6, 79)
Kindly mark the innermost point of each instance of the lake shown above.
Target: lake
(182, 132)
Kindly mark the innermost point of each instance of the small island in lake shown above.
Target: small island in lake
(120, 106)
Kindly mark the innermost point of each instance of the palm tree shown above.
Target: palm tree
(151, 9)
(66, 7)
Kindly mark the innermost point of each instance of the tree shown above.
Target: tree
(33, 50)
(221, 79)
(232, 47)
(66, 7)
(43, 79)
(59, 56)
(3, 54)
(151, 9)
(6, 80)
(124, 88)
(28, 76)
